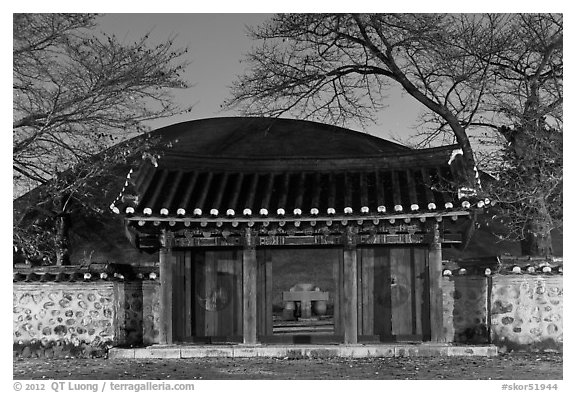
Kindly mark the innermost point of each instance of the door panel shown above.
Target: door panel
(393, 298)
(401, 292)
(217, 285)
(207, 298)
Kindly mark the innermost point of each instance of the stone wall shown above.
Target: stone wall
(526, 312)
(67, 318)
(465, 309)
(83, 319)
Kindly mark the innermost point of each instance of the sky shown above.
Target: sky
(217, 43)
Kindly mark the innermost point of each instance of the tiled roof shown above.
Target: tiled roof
(206, 193)
(370, 177)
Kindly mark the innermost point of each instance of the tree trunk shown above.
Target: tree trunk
(62, 240)
(538, 238)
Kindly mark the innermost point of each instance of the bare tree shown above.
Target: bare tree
(461, 67)
(76, 92)
(525, 102)
(336, 68)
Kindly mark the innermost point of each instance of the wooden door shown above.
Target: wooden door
(182, 299)
(393, 300)
(207, 297)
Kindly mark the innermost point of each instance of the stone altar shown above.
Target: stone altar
(307, 297)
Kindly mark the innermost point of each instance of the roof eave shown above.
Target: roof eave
(292, 218)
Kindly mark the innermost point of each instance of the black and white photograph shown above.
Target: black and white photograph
(202, 196)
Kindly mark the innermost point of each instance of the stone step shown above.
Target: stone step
(302, 351)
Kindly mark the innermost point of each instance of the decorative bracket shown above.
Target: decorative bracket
(433, 234)
(350, 237)
(167, 239)
(249, 238)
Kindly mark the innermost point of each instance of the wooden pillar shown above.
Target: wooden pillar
(189, 306)
(264, 293)
(165, 295)
(350, 288)
(435, 280)
(249, 289)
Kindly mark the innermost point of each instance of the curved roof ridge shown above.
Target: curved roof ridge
(264, 137)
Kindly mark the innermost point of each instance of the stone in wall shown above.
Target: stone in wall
(465, 309)
(526, 312)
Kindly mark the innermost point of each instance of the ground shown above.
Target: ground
(516, 366)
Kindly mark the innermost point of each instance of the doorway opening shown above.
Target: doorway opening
(303, 295)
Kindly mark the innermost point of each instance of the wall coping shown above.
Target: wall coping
(84, 273)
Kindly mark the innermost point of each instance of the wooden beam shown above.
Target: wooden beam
(435, 280)
(284, 192)
(165, 296)
(331, 192)
(238, 293)
(421, 296)
(396, 197)
(204, 194)
(300, 191)
(252, 193)
(143, 189)
(363, 189)
(428, 188)
(268, 192)
(337, 273)
(235, 194)
(186, 197)
(221, 188)
(261, 292)
(249, 290)
(158, 190)
(315, 203)
(412, 195)
(441, 196)
(414, 298)
(350, 298)
(366, 288)
(269, 323)
(178, 301)
(172, 191)
(143, 177)
(348, 190)
(188, 293)
(380, 194)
